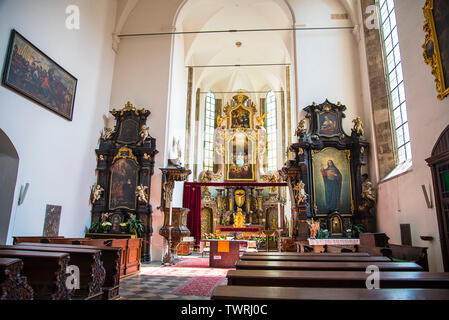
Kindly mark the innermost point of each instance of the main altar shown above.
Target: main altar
(238, 195)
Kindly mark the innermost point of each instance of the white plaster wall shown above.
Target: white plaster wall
(401, 200)
(142, 76)
(57, 156)
(327, 60)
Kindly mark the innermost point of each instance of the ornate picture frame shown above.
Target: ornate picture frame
(31, 73)
(436, 43)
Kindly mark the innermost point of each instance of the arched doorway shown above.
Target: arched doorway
(9, 165)
(439, 163)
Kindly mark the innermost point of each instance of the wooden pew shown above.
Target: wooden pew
(110, 257)
(336, 279)
(92, 272)
(45, 272)
(13, 286)
(131, 252)
(37, 239)
(326, 266)
(315, 258)
(295, 254)
(410, 253)
(285, 293)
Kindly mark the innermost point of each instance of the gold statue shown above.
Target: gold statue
(358, 126)
(239, 219)
(314, 227)
(220, 120)
(140, 193)
(95, 193)
(301, 127)
(105, 217)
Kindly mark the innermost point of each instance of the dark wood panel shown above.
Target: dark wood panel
(280, 293)
(329, 266)
(324, 254)
(336, 279)
(13, 286)
(315, 258)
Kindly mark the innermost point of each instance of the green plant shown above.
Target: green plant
(322, 234)
(135, 226)
(96, 227)
(357, 229)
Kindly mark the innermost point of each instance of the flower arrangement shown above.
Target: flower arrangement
(212, 236)
(106, 226)
(349, 233)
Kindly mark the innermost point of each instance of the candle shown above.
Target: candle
(279, 215)
(169, 223)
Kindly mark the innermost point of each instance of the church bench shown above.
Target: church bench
(92, 272)
(13, 286)
(45, 272)
(336, 279)
(288, 293)
(131, 252)
(37, 239)
(315, 258)
(307, 254)
(410, 253)
(374, 251)
(110, 256)
(326, 266)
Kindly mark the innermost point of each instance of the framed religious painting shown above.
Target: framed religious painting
(240, 157)
(31, 73)
(332, 187)
(327, 123)
(436, 44)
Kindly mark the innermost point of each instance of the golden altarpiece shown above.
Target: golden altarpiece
(242, 199)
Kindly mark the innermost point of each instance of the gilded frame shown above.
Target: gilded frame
(431, 50)
(228, 140)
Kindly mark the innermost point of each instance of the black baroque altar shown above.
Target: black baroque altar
(324, 172)
(125, 164)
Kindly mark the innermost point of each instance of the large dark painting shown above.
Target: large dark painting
(129, 132)
(31, 73)
(436, 46)
(240, 118)
(332, 181)
(327, 123)
(123, 184)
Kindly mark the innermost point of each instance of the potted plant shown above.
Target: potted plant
(349, 233)
(96, 227)
(357, 229)
(135, 226)
(106, 226)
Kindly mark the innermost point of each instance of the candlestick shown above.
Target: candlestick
(170, 219)
(279, 215)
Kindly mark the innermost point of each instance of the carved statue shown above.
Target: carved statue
(300, 195)
(106, 134)
(301, 127)
(175, 153)
(220, 120)
(140, 193)
(369, 198)
(239, 219)
(144, 133)
(260, 119)
(95, 193)
(314, 227)
(271, 178)
(105, 217)
(358, 126)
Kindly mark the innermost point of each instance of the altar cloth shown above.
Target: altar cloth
(232, 229)
(322, 242)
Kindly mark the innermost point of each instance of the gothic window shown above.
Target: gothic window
(271, 131)
(395, 81)
(209, 126)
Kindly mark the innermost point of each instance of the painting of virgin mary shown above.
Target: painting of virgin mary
(332, 185)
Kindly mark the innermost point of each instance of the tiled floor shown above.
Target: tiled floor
(156, 282)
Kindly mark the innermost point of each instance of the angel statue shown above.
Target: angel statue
(300, 195)
(105, 217)
(106, 134)
(260, 119)
(95, 193)
(220, 120)
(140, 193)
(358, 126)
(314, 227)
(144, 133)
(301, 127)
(368, 195)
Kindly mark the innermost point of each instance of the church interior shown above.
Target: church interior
(224, 149)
